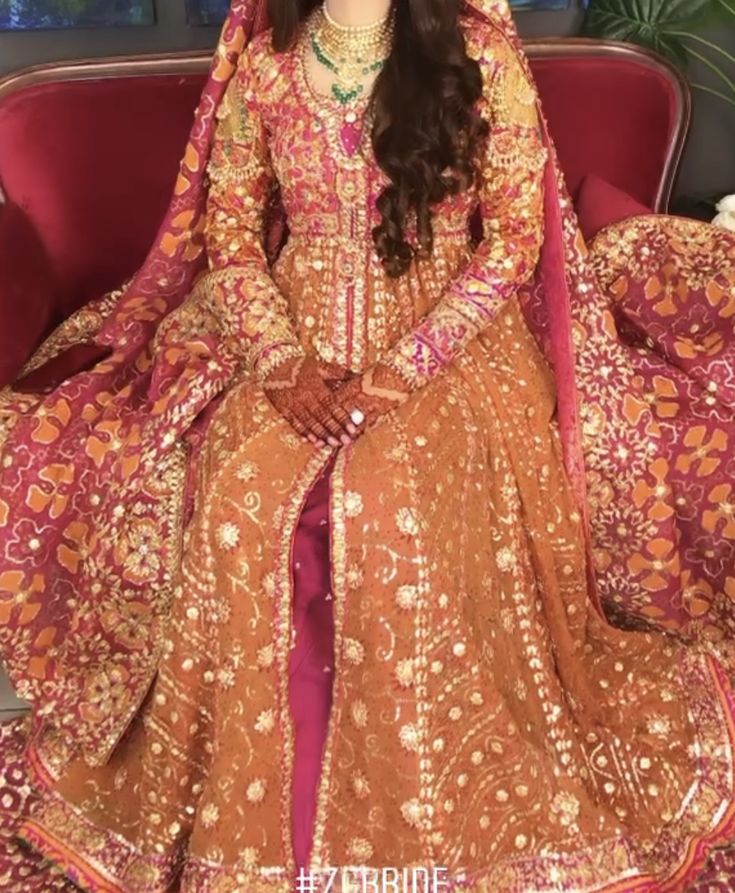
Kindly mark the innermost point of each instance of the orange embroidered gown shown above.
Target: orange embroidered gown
(485, 719)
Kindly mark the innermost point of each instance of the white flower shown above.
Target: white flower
(409, 737)
(404, 672)
(725, 220)
(407, 521)
(248, 858)
(210, 815)
(505, 559)
(226, 677)
(247, 471)
(565, 807)
(659, 725)
(353, 504)
(726, 216)
(412, 812)
(265, 722)
(359, 849)
(407, 596)
(354, 576)
(359, 713)
(228, 535)
(354, 652)
(256, 790)
(360, 785)
(265, 657)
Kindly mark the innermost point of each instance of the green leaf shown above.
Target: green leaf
(649, 22)
(719, 11)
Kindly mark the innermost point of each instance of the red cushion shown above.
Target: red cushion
(599, 203)
(26, 283)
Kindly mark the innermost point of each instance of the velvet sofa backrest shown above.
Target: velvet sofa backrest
(615, 111)
(91, 156)
(89, 150)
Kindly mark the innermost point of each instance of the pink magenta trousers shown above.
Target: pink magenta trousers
(311, 662)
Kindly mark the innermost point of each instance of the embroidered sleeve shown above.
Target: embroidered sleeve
(255, 314)
(510, 172)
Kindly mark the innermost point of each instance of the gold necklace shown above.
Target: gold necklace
(350, 52)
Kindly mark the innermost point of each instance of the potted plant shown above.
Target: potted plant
(672, 28)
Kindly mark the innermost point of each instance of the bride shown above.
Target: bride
(307, 531)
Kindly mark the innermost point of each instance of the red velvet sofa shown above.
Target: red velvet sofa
(89, 152)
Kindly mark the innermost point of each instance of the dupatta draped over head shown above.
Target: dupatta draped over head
(102, 432)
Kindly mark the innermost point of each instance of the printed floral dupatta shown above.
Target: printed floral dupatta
(101, 434)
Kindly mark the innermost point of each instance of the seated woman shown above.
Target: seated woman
(302, 573)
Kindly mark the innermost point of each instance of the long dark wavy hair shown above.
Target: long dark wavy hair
(425, 129)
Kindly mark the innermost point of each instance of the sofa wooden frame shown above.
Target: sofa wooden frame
(197, 62)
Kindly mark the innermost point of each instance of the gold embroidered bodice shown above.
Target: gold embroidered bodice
(328, 291)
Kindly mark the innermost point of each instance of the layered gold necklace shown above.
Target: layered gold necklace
(350, 52)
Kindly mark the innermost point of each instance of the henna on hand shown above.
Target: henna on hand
(377, 391)
(317, 397)
(298, 391)
(334, 374)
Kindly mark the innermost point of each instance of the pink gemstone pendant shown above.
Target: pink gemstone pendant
(350, 133)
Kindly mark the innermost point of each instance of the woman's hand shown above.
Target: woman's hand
(374, 393)
(299, 391)
(317, 398)
(333, 373)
